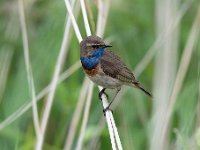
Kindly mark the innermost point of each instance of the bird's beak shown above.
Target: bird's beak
(107, 46)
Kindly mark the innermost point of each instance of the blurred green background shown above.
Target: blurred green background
(131, 26)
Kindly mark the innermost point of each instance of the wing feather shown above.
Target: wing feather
(114, 67)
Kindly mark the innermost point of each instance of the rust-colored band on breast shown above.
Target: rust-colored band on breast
(93, 71)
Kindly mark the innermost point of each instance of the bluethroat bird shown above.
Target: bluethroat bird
(105, 68)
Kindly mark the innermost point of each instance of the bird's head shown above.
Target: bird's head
(92, 43)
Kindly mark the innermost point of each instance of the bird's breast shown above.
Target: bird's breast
(106, 81)
(100, 78)
(91, 72)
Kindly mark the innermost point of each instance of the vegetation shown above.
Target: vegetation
(166, 33)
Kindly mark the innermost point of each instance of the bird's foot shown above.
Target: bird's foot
(103, 92)
(107, 109)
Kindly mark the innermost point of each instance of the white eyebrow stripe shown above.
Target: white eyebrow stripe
(89, 44)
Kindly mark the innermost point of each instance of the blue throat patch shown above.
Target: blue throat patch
(91, 62)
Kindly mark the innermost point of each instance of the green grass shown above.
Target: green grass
(132, 26)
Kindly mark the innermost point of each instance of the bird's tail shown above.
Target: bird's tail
(137, 85)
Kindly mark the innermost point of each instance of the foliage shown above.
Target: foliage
(132, 29)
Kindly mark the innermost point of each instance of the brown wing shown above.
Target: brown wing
(114, 67)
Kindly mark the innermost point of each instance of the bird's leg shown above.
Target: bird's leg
(108, 107)
(103, 92)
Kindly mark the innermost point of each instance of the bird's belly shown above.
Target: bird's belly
(106, 81)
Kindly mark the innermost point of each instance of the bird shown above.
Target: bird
(105, 68)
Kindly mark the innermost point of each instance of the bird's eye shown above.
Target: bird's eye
(94, 46)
